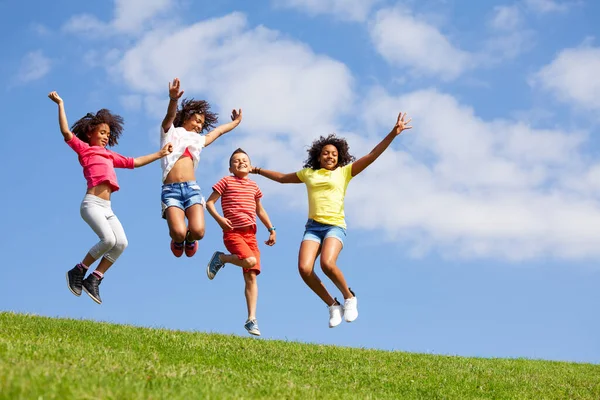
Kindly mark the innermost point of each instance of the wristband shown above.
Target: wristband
(173, 98)
(271, 229)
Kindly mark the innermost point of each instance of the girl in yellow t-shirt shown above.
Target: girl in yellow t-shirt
(326, 174)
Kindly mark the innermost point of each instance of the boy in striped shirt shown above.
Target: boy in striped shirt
(240, 202)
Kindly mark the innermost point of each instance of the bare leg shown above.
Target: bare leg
(176, 221)
(196, 224)
(251, 291)
(235, 260)
(309, 251)
(329, 255)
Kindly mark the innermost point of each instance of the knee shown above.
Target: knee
(327, 266)
(108, 242)
(197, 233)
(178, 235)
(121, 244)
(249, 262)
(305, 270)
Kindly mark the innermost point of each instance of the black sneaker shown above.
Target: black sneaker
(90, 285)
(75, 279)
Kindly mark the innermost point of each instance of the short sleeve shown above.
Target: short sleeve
(162, 131)
(302, 174)
(120, 161)
(200, 141)
(77, 144)
(347, 172)
(258, 194)
(220, 186)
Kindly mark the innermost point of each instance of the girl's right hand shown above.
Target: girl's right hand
(225, 224)
(55, 97)
(174, 92)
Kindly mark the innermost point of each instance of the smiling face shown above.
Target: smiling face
(328, 158)
(99, 135)
(239, 165)
(195, 123)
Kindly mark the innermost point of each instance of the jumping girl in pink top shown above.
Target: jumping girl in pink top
(89, 137)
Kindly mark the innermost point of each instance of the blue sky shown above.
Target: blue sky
(475, 234)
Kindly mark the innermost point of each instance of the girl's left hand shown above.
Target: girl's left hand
(401, 124)
(272, 239)
(236, 115)
(166, 150)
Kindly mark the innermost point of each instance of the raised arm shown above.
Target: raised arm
(147, 159)
(261, 213)
(236, 118)
(223, 222)
(62, 116)
(174, 95)
(359, 165)
(277, 176)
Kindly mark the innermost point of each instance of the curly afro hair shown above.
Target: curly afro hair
(344, 156)
(190, 107)
(87, 124)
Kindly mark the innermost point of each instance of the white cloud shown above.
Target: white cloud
(506, 18)
(473, 188)
(130, 17)
(282, 86)
(573, 77)
(34, 65)
(353, 10)
(546, 6)
(405, 41)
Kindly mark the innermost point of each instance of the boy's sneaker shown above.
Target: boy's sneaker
(177, 249)
(335, 314)
(214, 265)
(251, 326)
(90, 285)
(190, 248)
(350, 308)
(75, 279)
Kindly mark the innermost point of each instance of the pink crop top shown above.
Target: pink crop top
(99, 163)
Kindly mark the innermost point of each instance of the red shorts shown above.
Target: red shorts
(242, 243)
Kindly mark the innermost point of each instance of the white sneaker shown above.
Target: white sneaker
(335, 314)
(350, 308)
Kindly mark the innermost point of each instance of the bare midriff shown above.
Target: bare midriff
(102, 190)
(182, 171)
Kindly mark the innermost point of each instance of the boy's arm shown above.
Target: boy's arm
(174, 95)
(62, 116)
(359, 165)
(280, 177)
(236, 118)
(261, 213)
(223, 222)
(147, 159)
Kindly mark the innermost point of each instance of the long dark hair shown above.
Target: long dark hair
(189, 107)
(85, 125)
(344, 156)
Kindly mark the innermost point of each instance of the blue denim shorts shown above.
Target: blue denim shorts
(318, 232)
(181, 195)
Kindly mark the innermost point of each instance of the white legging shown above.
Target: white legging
(100, 217)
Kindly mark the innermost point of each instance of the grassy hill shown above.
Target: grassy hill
(48, 358)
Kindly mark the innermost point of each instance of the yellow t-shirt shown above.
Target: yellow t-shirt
(326, 191)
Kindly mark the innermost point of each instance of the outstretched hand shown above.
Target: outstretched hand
(401, 124)
(55, 97)
(174, 92)
(166, 150)
(236, 115)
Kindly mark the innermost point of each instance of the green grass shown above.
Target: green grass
(49, 358)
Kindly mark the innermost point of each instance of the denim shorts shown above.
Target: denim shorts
(318, 232)
(182, 195)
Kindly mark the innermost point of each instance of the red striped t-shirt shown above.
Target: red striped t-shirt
(238, 200)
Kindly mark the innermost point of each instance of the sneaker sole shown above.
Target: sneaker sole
(208, 267)
(69, 286)
(254, 333)
(92, 297)
(353, 319)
